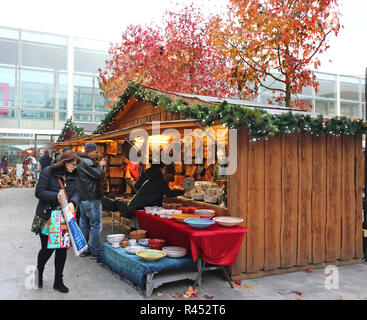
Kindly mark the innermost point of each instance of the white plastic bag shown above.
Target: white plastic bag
(77, 239)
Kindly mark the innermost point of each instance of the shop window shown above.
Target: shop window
(44, 56)
(326, 89)
(63, 91)
(37, 89)
(325, 107)
(7, 113)
(351, 110)
(83, 92)
(349, 90)
(89, 60)
(100, 102)
(82, 117)
(7, 87)
(8, 52)
(37, 115)
(47, 38)
(98, 117)
(62, 116)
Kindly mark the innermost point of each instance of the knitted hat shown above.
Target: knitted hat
(90, 146)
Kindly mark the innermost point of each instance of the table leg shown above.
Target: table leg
(113, 220)
(227, 276)
(200, 266)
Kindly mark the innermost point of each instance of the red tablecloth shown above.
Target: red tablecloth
(216, 244)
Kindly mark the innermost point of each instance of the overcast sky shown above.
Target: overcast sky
(106, 19)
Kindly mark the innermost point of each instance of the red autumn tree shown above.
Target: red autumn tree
(272, 44)
(177, 58)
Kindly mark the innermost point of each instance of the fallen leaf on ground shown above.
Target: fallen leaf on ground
(244, 286)
(208, 297)
(159, 294)
(327, 274)
(308, 270)
(301, 298)
(341, 298)
(176, 295)
(238, 282)
(17, 247)
(79, 275)
(297, 292)
(191, 293)
(362, 298)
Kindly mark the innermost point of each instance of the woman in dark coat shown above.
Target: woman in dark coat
(48, 192)
(151, 187)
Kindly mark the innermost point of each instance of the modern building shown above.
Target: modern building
(44, 80)
(47, 78)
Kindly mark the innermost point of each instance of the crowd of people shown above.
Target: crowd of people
(83, 175)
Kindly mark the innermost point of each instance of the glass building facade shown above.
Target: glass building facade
(47, 78)
(44, 79)
(337, 95)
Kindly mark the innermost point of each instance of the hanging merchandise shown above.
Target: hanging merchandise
(112, 148)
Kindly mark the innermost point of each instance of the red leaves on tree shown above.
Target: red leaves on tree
(272, 44)
(176, 58)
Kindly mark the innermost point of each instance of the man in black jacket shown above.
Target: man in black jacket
(151, 186)
(45, 160)
(90, 184)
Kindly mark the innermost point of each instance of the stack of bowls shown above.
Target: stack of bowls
(205, 213)
(115, 239)
(175, 252)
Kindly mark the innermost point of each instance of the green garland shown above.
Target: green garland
(260, 123)
(70, 125)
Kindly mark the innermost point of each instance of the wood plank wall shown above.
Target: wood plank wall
(301, 198)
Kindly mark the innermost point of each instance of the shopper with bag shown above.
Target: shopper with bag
(90, 184)
(49, 192)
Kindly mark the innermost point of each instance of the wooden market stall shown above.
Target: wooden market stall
(299, 193)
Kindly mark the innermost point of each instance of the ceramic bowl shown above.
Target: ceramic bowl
(156, 243)
(175, 252)
(151, 255)
(199, 224)
(228, 221)
(133, 249)
(114, 237)
(205, 213)
(143, 242)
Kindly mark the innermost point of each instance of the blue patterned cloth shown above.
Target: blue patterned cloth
(135, 269)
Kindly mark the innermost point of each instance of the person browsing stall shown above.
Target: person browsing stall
(151, 187)
(48, 191)
(90, 184)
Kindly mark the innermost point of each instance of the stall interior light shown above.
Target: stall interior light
(156, 139)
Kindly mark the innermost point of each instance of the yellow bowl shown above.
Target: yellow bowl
(151, 254)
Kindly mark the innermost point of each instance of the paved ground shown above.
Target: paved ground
(88, 280)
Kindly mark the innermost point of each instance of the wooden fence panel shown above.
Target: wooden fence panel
(359, 205)
(348, 198)
(288, 240)
(255, 218)
(334, 204)
(273, 202)
(319, 199)
(238, 196)
(304, 243)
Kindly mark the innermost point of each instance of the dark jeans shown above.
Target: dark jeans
(44, 254)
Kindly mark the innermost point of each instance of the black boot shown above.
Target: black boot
(59, 285)
(39, 277)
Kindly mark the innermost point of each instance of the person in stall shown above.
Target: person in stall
(151, 187)
(131, 174)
